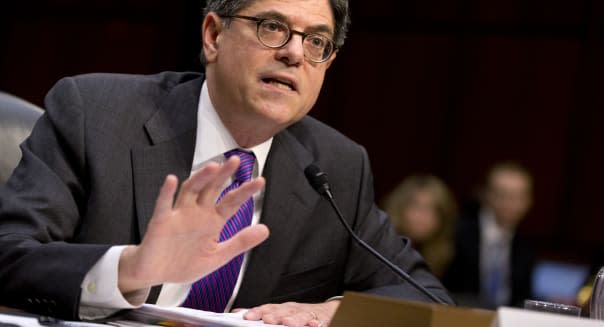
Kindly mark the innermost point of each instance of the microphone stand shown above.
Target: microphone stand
(318, 180)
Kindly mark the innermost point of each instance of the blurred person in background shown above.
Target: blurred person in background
(423, 208)
(493, 265)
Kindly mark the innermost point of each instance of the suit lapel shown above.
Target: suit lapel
(289, 201)
(172, 131)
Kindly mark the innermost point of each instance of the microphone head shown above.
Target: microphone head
(317, 178)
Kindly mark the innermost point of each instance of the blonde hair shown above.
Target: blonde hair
(438, 250)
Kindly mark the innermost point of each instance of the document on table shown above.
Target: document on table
(150, 314)
(28, 320)
(9, 320)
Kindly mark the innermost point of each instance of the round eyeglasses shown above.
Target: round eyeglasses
(275, 34)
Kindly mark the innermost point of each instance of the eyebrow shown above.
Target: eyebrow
(272, 14)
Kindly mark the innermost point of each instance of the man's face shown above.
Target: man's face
(266, 87)
(509, 196)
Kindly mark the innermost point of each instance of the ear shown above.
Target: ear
(210, 32)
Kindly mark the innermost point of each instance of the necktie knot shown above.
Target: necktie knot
(246, 167)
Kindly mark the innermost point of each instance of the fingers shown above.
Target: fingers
(163, 205)
(253, 314)
(215, 185)
(318, 323)
(204, 187)
(206, 184)
(230, 203)
(244, 240)
(189, 190)
(300, 318)
(289, 314)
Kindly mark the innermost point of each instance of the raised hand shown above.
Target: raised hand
(181, 243)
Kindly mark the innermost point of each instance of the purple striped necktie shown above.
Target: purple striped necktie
(213, 292)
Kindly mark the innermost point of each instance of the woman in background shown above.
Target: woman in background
(423, 209)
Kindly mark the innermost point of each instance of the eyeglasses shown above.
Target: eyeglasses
(275, 34)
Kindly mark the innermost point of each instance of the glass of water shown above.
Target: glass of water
(596, 306)
(565, 309)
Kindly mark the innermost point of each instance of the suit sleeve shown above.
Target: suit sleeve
(41, 208)
(364, 272)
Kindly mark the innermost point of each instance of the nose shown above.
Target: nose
(292, 53)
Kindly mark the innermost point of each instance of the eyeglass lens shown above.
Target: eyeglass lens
(276, 34)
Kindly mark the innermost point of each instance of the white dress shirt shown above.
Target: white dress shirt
(100, 295)
(495, 247)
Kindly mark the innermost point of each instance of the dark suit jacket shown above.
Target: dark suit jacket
(92, 168)
(463, 275)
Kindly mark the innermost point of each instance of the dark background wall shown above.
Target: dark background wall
(441, 86)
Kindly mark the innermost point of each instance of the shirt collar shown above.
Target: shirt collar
(213, 139)
(491, 232)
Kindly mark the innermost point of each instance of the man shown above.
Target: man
(493, 264)
(92, 168)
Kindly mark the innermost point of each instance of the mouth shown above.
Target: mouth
(280, 83)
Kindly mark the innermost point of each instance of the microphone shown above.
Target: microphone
(318, 180)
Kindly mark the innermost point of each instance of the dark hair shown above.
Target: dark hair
(340, 10)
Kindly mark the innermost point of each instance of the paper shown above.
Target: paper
(150, 314)
(8, 320)
(30, 321)
(513, 317)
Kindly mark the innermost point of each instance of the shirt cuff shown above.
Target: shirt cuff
(334, 298)
(173, 294)
(100, 296)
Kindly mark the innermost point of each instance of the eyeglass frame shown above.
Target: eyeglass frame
(291, 32)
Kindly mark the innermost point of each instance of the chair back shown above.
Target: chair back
(17, 118)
